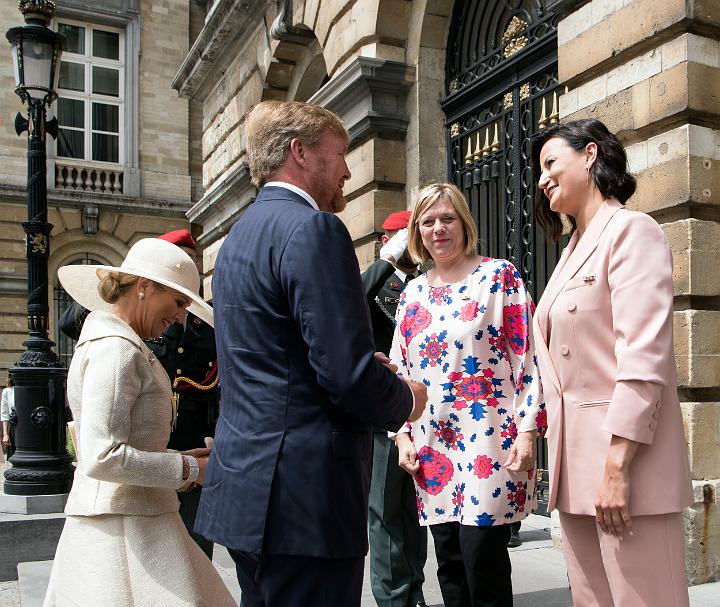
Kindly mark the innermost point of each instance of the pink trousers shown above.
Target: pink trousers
(643, 569)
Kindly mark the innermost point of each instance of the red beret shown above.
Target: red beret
(181, 238)
(396, 221)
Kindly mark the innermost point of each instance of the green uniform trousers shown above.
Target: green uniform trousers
(398, 544)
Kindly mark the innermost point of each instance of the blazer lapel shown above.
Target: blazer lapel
(575, 255)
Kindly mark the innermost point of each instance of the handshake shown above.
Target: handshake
(419, 390)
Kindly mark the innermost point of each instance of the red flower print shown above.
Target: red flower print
(517, 495)
(439, 295)
(541, 420)
(416, 320)
(515, 327)
(435, 471)
(483, 466)
(469, 311)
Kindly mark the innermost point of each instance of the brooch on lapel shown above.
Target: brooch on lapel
(589, 278)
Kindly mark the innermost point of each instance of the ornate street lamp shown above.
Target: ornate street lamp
(41, 464)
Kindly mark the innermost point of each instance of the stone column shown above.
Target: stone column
(651, 71)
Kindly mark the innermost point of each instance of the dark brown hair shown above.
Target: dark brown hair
(609, 172)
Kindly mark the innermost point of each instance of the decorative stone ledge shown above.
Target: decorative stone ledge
(218, 210)
(370, 96)
(155, 207)
(227, 27)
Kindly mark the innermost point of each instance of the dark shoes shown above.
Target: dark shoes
(514, 540)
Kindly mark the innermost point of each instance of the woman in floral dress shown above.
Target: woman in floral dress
(464, 329)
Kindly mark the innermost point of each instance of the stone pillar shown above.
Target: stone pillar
(370, 96)
(651, 71)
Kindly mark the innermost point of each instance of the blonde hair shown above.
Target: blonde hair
(427, 197)
(113, 285)
(271, 126)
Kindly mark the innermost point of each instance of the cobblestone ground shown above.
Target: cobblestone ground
(9, 594)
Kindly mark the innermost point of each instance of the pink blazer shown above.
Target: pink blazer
(605, 354)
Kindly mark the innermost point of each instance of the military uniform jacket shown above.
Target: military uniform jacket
(382, 290)
(187, 354)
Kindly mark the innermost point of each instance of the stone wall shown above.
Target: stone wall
(159, 162)
(651, 72)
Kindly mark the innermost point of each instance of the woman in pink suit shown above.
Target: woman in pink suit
(619, 471)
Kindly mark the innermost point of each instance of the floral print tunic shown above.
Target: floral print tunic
(471, 344)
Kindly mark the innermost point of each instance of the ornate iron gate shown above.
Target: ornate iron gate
(502, 87)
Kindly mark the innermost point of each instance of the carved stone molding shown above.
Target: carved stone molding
(228, 26)
(370, 96)
(218, 210)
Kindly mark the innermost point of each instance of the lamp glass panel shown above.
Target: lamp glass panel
(75, 37)
(37, 63)
(105, 117)
(71, 112)
(106, 81)
(71, 143)
(16, 67)
(105, 148)
(106, 44)
(72, 76)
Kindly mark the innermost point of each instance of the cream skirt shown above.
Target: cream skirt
(116, 560)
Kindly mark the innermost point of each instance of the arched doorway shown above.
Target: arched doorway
(64, 344)
(501, 88)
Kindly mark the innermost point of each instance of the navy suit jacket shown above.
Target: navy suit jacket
(290, 467)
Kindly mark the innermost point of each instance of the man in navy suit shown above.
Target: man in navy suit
(286, 489)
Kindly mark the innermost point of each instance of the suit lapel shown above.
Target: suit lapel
(572, 259)
(575, 255)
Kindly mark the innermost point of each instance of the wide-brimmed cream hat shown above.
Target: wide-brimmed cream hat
(150, 258)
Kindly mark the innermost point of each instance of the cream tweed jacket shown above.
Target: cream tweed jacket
(121, 401)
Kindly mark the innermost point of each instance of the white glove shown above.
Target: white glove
(395, 247)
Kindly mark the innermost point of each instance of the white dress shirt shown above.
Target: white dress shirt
(294, 188)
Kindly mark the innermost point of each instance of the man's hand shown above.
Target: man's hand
(522, 452)
(407, 455)
(394, 248)
(420, 394)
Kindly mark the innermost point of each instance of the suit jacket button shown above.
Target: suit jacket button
(178, 371)
(564, 350)
(653, 425)
(181, 350)
(571, 307)
(656, 415)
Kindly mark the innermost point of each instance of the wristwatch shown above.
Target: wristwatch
(194, 469)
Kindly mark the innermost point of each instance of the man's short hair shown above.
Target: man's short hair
(271, 126)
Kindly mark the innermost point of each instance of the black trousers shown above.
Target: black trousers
(473, 565)
(298, 581)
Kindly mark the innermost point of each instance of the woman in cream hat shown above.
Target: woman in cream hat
(124, 543)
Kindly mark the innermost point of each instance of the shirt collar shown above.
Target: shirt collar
(400, 274)
(297, 190)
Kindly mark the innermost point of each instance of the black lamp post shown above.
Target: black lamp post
(41, 464)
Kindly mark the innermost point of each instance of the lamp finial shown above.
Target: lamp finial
(35, 11)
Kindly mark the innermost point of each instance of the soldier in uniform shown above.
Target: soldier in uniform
(398, 544)
(187, 353)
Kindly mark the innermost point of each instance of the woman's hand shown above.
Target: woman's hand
(612, 504)
(5, 440)
(202, 456)
(407, 455)
(522, 452)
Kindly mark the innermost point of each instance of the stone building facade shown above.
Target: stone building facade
(121, 167)
(437, 89)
